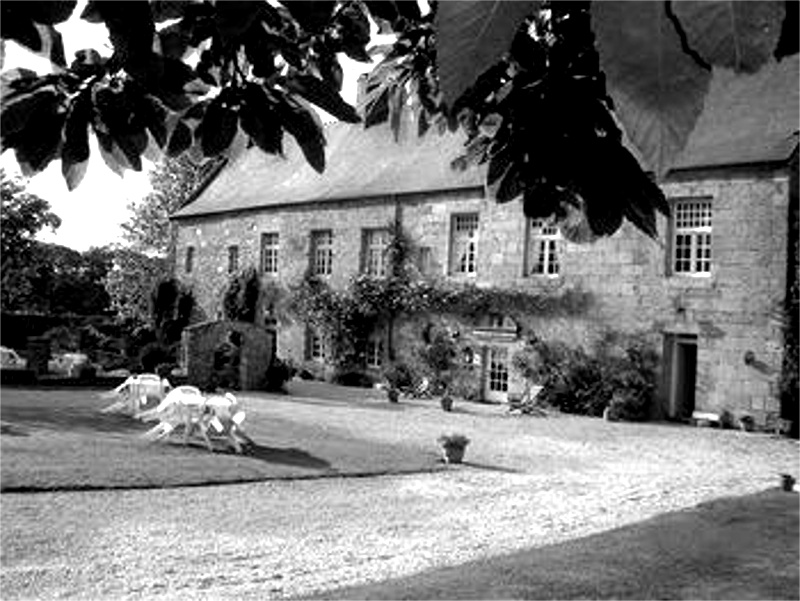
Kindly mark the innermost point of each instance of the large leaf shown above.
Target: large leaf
(658, 89)
(259, 121)
(300, 121)
(180, 140)
(319, 92)
(218, 127)
(737, 35)
(18, 114)
(75, 152)
(472, 36)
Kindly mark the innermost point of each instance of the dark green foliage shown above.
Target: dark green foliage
(353, 377)
(279, 373)
(619, 372)
(172, 306)
(348, 317)
(154, 354)
(240, 302)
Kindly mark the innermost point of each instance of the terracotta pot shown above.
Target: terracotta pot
(447, 403)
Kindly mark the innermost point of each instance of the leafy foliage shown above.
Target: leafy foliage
(130, 284)
(618, 373)
(171, 307)
(183, 75)
(22, 216)
(525, 79)
(240, 301)
(347, 317)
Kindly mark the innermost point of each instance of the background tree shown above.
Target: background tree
(147, 258)
(22, 216)
(211, 78)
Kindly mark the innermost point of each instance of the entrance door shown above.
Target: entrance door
(681, 355)
(496, 377)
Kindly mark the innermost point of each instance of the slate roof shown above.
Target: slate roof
(746, 120)
(360, 163)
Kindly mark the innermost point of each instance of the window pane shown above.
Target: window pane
(269, 252)
(464, 244)
(543, 244)
(692, 236)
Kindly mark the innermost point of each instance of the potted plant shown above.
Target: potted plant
(453, 447)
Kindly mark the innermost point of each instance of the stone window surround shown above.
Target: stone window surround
(543, 249)
(375, 242)
(464, 236)
(233, 258)
(696, 224)
(322, 252)
(270, 249)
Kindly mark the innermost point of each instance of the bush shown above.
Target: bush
(280, 372)
(619, 373)
(154, 354)
(354, 378)
(399, 376)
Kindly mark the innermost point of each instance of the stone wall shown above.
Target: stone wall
(732, 311)
(256, 352)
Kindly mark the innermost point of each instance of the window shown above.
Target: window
(498, 370)
(691, 241)
(425, 260)
(321, 252)
(376, 241)
(464, 244)
(189, 264)
(544, 248)
(233, 259)
(269, 252)
(375, 350)
(315, 344)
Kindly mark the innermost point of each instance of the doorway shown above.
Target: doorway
(496, 376)
(680, 371)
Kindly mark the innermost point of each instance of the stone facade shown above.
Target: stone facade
(255, 352)
(731, 315)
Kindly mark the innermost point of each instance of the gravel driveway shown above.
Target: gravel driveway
(529, 482)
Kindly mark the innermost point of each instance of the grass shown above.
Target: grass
(59, 440)
(730, 548)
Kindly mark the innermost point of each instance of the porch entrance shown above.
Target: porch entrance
(680, 371)
(495, 386)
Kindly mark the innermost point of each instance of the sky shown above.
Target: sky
(91, 214)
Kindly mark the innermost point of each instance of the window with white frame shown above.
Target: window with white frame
(233, 259)
(322, 252)
(376, 241)
(543, 248)
(189, 262)
(270, 245)
(464, 244)
(375, 349)
(315, 344)
(691, 237)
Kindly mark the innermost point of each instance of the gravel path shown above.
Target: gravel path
(530, 482)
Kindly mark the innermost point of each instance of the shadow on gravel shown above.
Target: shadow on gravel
(730, 548)
(492, 468)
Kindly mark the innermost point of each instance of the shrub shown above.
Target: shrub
(240, 301)
(399, 376)
(154, 354)
(619, 373)
(280, 372)
(354, 378)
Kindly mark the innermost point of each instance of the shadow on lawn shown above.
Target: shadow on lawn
(70, 418)
(285, 456)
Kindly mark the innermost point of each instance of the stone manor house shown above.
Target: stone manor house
(709, 291)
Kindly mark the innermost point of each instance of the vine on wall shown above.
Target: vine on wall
(347, 317)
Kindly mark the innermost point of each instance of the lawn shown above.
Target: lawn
(58, 439)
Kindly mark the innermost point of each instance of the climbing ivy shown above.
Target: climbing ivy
(347, 317)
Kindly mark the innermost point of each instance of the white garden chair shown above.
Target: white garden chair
(187, 407)
(136, 392)
(526, 403)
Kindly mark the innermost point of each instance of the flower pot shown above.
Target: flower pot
(453, 453)
(447, 403)
(393, 395)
